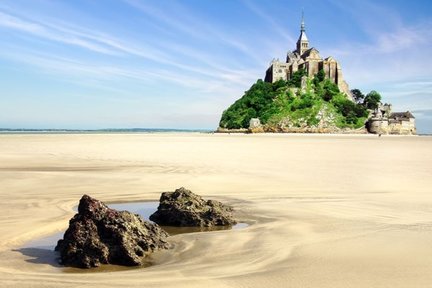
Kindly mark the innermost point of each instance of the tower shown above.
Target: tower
(302, 42)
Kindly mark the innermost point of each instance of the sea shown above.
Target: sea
(102, 131)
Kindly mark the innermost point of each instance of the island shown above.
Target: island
(308, 94)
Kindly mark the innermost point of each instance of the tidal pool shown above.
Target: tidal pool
(47, 244)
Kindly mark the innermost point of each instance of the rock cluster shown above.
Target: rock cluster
(183, 208)
(100, 235)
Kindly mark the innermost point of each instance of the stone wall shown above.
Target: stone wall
(384, 126)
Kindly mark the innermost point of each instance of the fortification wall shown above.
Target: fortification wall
(402, 128)
(378, 126)
(383, 126)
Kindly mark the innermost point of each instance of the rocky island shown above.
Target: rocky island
(308, 94)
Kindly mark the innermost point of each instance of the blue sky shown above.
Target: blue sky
(179, 64)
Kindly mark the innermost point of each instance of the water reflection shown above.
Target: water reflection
(144, 209)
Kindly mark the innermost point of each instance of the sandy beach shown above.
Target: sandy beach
(323, 210)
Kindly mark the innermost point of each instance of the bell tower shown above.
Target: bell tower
(302, 42)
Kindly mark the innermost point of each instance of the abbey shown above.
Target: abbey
(310, 105)
(307, 58)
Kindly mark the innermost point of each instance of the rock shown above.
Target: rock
(183, 208)
(255, 126)
(101, 235)
(229, 131)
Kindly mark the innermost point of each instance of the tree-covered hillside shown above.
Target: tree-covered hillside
(285, 101)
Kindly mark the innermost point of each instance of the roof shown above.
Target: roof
(303, 36)
(308, 52)
(401, 115)
(330, 59)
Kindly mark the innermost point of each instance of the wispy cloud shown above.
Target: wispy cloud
(50, 33)
(91, 73)
(404, 38)
(423, 113)
(166, 18)
(389, 34)
(391, 55)
(106, 44)
(74, 35)
(270, 20)
(18, 24)
(190, 25)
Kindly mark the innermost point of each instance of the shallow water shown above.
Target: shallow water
(145, 209)
(45, 246)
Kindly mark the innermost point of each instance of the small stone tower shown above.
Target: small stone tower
(302, 42)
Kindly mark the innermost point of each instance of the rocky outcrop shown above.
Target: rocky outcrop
(101, 235)
(255, 126)
(183, 208)
(229, 131)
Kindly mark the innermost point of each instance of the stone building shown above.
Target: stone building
(309, 59)
(384, 121)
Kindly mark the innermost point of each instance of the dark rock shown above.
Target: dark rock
(101, 235)
(185, 209)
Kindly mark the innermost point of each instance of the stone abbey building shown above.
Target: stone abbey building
(307, 58)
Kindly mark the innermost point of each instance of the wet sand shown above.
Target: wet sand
(325, 210)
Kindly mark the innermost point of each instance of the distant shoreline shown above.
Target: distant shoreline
(101, 131)
(176, 131)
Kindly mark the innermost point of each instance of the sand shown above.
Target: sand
(324, 210)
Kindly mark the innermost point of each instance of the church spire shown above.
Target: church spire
(302, 27)
(302, 42)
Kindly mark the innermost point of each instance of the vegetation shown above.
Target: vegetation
(358, 96)
(274, 102)
(295, 80)
(372, 100)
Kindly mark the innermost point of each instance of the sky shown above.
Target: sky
(91, 64)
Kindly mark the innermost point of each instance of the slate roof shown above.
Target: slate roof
(404, 116)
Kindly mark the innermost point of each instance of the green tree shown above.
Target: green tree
(295, 80)
(372, 100)
(330, 90)
(357, 95)
(318, 78)
(256, 100)
(320, 75)
(351, 111)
